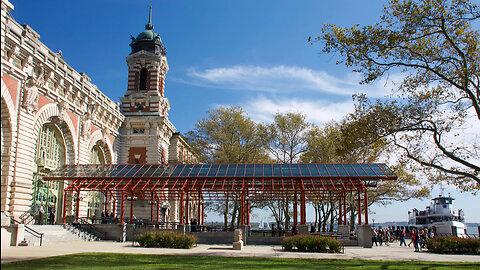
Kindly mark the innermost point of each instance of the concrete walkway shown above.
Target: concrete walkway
(392, 252)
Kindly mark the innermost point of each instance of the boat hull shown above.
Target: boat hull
(446, 228)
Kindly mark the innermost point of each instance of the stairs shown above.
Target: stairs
(57, 233)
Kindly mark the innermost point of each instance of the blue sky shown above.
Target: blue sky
(249, 53)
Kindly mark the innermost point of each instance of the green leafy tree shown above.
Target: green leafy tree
(340, 142)
(285, 140)
(227, 135)
(432, 116)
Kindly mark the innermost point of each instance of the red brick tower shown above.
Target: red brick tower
(146, 132)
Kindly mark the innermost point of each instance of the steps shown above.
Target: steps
(52, 234)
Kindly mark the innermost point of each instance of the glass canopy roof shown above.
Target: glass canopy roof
(222, 171)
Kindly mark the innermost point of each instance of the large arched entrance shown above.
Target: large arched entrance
(95, 198)
(6, 141)
(50, 154)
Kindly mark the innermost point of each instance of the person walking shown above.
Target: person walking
(416, 240)
(41, 215)
(374, 237)
(52, 216)
(380, 236)
(411, 237)
(402, 238)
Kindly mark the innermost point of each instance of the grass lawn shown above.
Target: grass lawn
(142, 261)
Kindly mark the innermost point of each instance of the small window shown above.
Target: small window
(143, 79)
(138, 130)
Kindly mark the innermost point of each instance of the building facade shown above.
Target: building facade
(53, 115)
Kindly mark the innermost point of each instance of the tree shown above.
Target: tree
(341, 143)
(227, 135)
(435, 46)
(285, 139)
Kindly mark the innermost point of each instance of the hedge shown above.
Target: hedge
(166, 240)
(454, 245)
(311, 243)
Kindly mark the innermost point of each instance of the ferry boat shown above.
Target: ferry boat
(440, 216)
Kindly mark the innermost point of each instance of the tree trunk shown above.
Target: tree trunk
(287, 215)
(332, 215)
(234, 215)
(225, 213)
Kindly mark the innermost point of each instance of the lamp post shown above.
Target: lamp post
(373, 220)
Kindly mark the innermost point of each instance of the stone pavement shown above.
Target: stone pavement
(392, 252)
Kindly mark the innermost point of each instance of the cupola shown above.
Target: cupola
(148, 40)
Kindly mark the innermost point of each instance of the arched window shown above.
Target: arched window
(95, 198)
(49, 155)
(143, 79)
(97, 156)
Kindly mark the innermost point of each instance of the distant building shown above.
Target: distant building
(53, 115)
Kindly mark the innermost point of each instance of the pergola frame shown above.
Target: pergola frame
(298, 183)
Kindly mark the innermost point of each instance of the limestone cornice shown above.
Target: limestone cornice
(143, 56)
(22, 52)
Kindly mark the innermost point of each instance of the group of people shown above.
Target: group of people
(107, 218)
(420, 237)
(388, 235)
(277, 229)
(381, 235)
(43, 217)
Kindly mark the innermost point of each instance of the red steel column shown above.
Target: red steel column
(203, 214)
(359, 208)
(295, 209)
(340, 210)
(303, 212)
(365, 205)
(77, 204)
(242, 208)
(345, 208)
(187, 212)
(199, 208)
(158, 209)
(181, 207)
(114, 206)
(65, 207)
(106, 203)
(131, 208)
(151, 208)
(122, 209)
(248, 213)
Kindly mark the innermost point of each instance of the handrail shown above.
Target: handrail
(80, 233)
(30, 230)
(26, 217)
(91, 227)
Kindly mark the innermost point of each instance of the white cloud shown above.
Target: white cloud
(281, 79)
(262, 109)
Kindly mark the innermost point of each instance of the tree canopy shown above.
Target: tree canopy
(227, 135)
(433, 116)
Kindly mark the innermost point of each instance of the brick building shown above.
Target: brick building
(53, 115)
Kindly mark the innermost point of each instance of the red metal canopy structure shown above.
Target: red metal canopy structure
(242, 182)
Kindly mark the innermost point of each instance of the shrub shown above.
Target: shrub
(454, 245)
(166, 240)
(311, 243)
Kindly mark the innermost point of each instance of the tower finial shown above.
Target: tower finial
(149, 26)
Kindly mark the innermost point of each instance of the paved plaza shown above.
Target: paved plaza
(392, 252)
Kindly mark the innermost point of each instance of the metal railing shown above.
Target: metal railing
(26, 217)
(80, 233)
(29, 230)
(95, 234)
